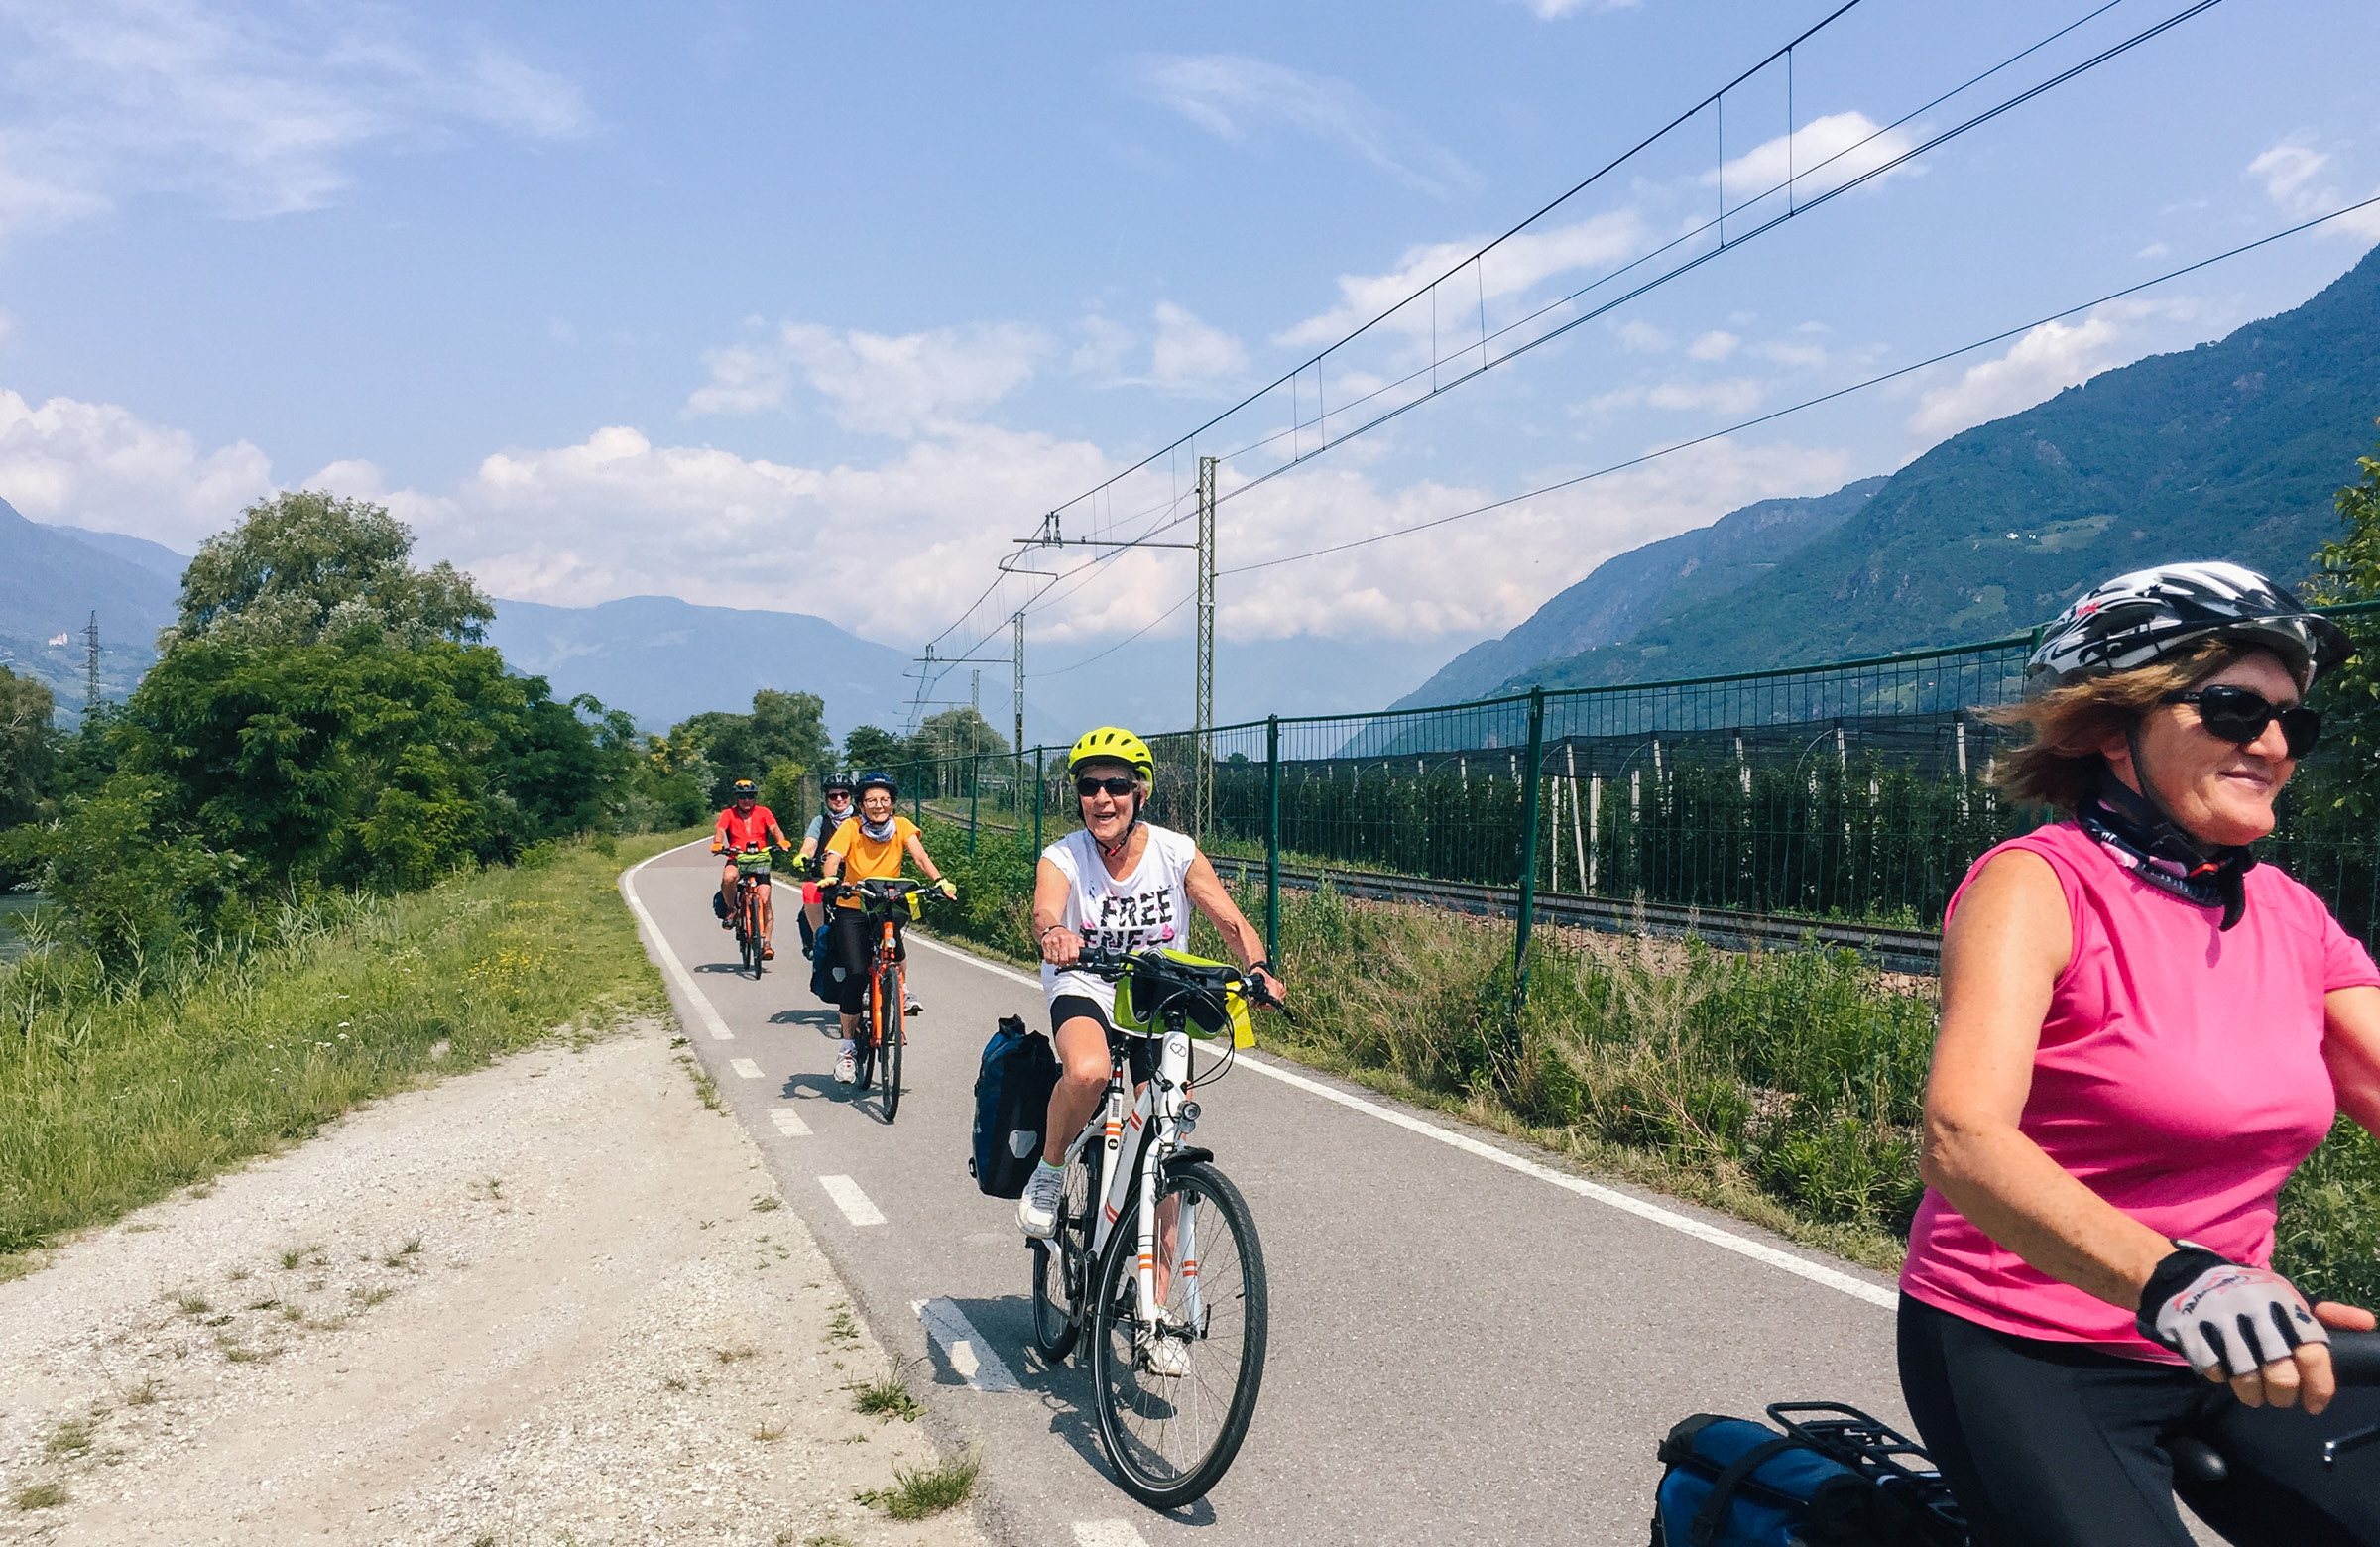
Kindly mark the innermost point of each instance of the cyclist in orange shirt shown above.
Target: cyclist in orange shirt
(746, 825)
(871, 843)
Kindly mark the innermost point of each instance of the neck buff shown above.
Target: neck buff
(2152, 846)
(878, 833)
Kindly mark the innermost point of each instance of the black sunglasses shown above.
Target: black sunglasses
(1087, 786)
(2239, 714)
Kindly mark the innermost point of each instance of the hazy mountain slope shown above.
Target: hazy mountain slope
(662, 660)
(2232, 450)
(52, 580)
(155, 557)
(1627, 592)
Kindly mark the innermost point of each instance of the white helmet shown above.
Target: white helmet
(2139, 618)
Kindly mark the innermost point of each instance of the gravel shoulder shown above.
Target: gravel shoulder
(558, 1300)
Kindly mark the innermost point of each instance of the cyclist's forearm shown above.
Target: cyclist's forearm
(2009, 1188)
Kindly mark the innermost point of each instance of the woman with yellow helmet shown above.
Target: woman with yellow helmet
(1119, 884)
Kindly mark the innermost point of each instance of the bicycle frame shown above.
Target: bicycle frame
(1161, 1102)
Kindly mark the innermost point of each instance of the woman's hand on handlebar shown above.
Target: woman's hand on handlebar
(1061, 946)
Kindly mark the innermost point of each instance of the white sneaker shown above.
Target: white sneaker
(1044, 1192)
(1166, 1351)
(845, 1069)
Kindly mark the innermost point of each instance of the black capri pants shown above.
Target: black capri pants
(2057, 1445)
(850, 949)
(1139, 1052)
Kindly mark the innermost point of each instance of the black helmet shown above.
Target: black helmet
(2141, 618)
(837, 783)
(877, 779)
(745, 789)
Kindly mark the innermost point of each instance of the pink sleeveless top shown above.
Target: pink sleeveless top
(2179, 1077)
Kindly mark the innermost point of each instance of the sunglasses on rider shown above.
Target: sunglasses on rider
(1088, 787)
(2239, 714)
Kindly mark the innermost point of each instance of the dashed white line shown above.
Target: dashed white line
(745, 1067)
(1669, 1218)
(854, 1203)
(789, 1122)
(964, 1346)
(1107, 1533)
(670, 962)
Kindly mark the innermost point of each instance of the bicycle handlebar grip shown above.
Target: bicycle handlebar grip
(2355, 1357)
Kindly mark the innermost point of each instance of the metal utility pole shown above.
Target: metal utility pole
(1203, 714)
(90, 667)
(975, 693)
(1016, 655)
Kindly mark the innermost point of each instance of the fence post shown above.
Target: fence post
(1272, 838)
(975, 796)
(1528, 861)
(1038, 782)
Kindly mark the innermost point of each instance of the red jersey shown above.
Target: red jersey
(745, 832)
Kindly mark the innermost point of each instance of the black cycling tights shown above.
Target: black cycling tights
(851, 955)
(2051, 1444)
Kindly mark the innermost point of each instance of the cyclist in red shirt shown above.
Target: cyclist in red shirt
(746, 825)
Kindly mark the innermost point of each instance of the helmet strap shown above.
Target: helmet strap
(1123, 838)
(2149, 842)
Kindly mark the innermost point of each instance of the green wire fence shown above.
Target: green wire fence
(1847, 799)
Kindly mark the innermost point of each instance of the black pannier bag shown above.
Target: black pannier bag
(1011, 1108)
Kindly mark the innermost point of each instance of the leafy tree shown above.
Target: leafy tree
(956, 733)
(303, 567)
(2350, 696)
(28, 746)
(872, 746)
(782, 728)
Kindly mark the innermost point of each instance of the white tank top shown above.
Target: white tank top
(1120, 916)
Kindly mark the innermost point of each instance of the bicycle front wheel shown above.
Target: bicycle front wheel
(1175, 1399)
(892, 1035)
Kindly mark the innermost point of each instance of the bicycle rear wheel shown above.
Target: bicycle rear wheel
(1058, 1263)
(1171, 1437)
(893, 1035)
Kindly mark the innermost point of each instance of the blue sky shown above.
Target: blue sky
(747, 303)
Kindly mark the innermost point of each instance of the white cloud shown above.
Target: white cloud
(1516, 265)
(1555, 10)
(1825, 153)
(1104, 343)
(1717, 344)
(98, 465)
(1642, 338)
(2153, 250)
(1189, 353)
(257, 110)
(2290, 172)
(1232, 96)
(1729, 395)
(2047, 360)
(889, 386)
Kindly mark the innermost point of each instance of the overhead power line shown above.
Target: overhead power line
(1806, 402)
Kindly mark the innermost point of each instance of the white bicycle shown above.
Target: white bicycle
(1156, 1249)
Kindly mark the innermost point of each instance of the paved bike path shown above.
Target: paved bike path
(1460, 1349)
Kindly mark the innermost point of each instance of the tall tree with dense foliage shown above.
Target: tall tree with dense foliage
(783, 728)
(303, 567)
(28, 746)
(872, 746)
(957, 732)
(2349, 699)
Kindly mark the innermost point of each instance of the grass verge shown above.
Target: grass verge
(111, 1099)
(926, 1490)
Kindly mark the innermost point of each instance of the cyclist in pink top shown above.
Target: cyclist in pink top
(2143, 1034)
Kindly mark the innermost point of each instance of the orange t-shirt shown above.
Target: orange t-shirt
(863, 857)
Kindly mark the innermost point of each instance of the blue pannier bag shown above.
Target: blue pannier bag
(1733, 1483)
(1011, 1108)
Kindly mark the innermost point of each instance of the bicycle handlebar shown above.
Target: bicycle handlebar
(1112, 965)
(2355, 1357)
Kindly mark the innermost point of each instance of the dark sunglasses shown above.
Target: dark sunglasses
(2239, 714)
(1087, 787)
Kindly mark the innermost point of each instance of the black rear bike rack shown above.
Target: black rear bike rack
(1897, 1465)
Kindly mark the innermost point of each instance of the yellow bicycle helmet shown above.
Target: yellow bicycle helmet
(1112, 743)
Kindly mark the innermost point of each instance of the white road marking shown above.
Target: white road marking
(670, 962)
(1726, 1240)
(854, 1203)
(789, 1122)
(1107, 1533)
(964, 1346)
(745, 1068)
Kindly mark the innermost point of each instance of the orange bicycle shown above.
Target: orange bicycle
(752, 890)
(885, 902)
